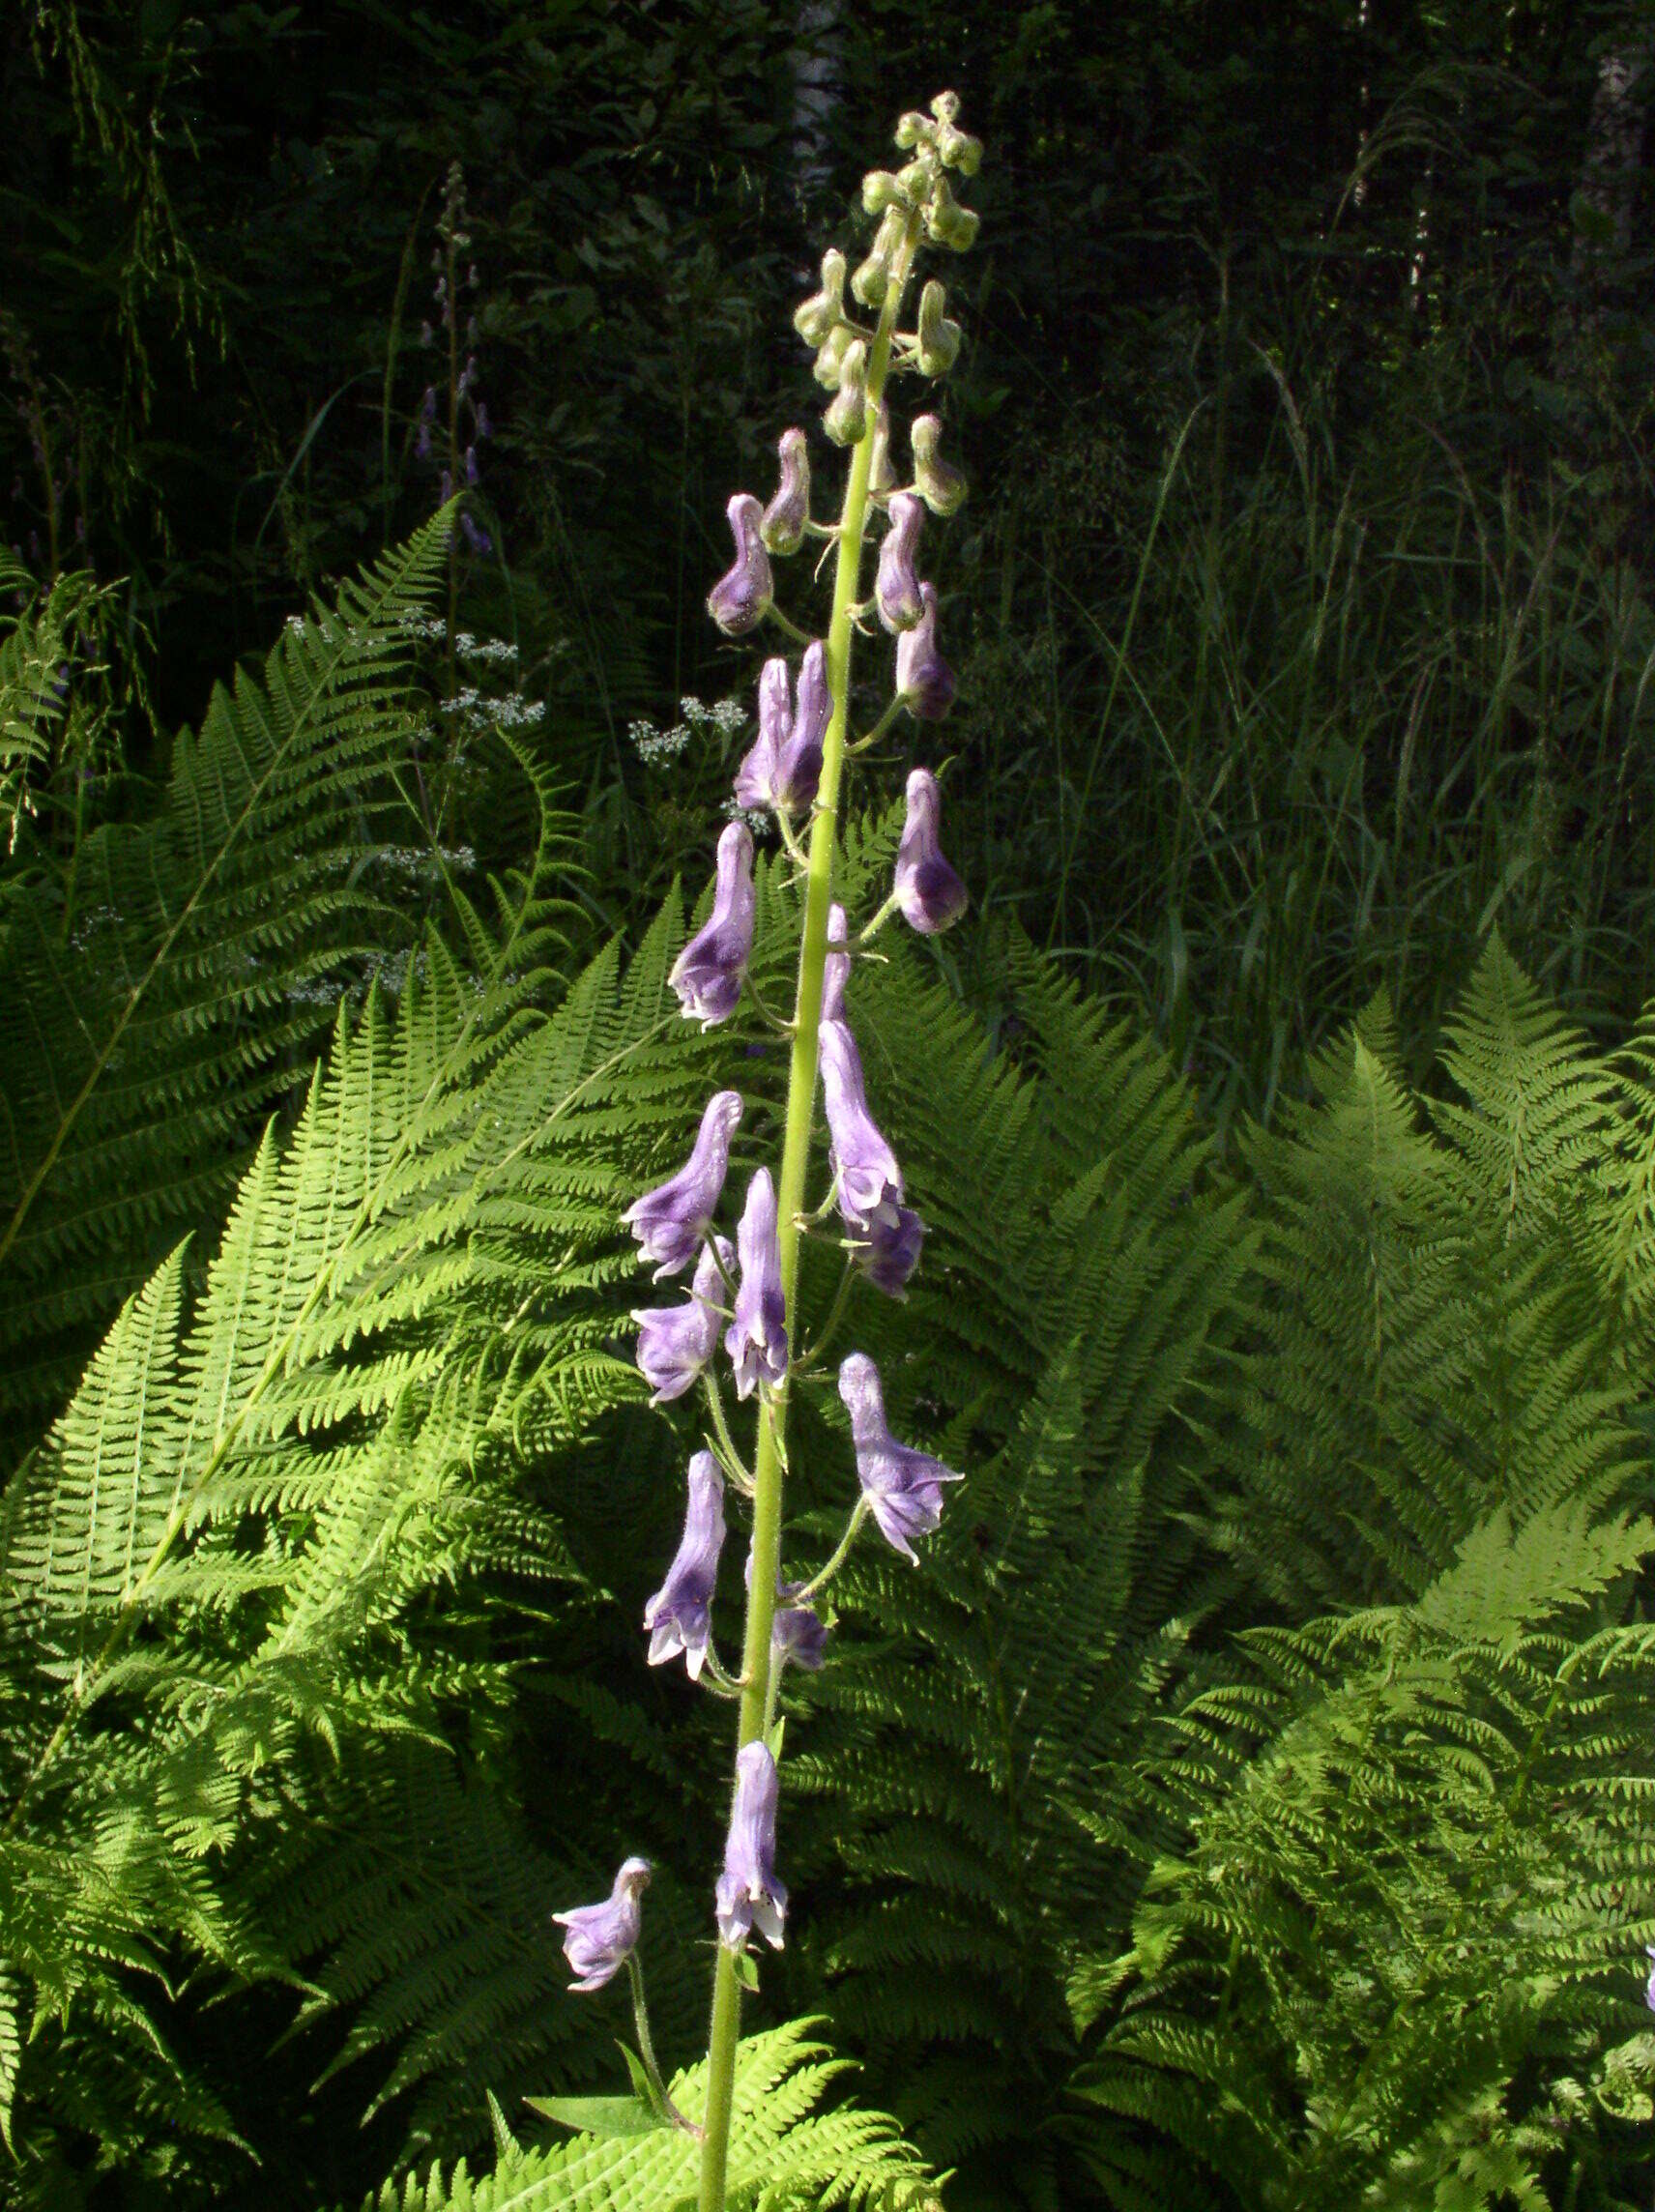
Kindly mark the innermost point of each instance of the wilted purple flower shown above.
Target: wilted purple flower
(797, 1636)
(903, 1487)
(756, 776)
(737, 601)
(925, 683)
(889, 1251)
(749, 1894)
(897, 587)
(835, 966)
(865, 1173)
(930, 894)
(756, 1339)
(782, 523)
(671, 1222)
(798, 764)
(599, 1939)
(706, 974)
(678, 1616)
(675, 1343)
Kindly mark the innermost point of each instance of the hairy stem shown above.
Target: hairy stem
(769, 1459)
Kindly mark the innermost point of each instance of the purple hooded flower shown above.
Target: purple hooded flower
(931, 897)
(939, 486)
(756, 1340)
(799, 761)
(865, 1173)
(671, 1222)
(903, 1487)
(756, 777)
(675, 1343)
(925, 683)
(749, 1894)
(797, 1636)
(781, 526)
(835, 967)
(599, 1939)
(897, 587)
(737, 601)
(706, 974)
(677, 1617)
(890, 1252)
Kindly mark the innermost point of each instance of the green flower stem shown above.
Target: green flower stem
(820, 1581)
(647, 2048)
(770, 1457)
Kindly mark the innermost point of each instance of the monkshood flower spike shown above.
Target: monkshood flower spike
(903, 1487)
(676, 1344)
(749, 1894)
(708, 973)
(679, 1616)
(890, 317)
(671, 1222)
(600, 1938)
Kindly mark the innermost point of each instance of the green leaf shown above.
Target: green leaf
(598, 2116)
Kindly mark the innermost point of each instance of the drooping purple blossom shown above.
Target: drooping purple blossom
(676, 1343)
(939, 483)
(599, 1939)
(835, 966)
(756, 1339)
(671, 1222)
(930, 894)
(925, 683)
(750, 1894)
(708, 973)
(896, 586)
(678, 1615)
(798, 761)
(799, 1637)
(889, 1253)
(740, 599)
(865, 1175)
(756, 776)
(903, 1487)
(781, 526)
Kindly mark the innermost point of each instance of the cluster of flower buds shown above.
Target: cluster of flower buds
(736, 1298)
(468, 410)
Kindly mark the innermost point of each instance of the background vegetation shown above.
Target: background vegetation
(1253, 1806)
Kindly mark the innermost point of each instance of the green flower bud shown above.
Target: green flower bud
(939, 338)
(945, 107)
(872, 281)
(881, 476)
(941, 487)
(881, 190)
(915, 129)
(847, 416)
(831, 360)
(915, 181)
(959, 150)
(946, 222)
(815, 319)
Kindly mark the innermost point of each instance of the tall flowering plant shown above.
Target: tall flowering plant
(743, 1297)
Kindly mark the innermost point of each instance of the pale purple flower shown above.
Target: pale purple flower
(924, 681)
(896, 586)
(677, 1616)
(672, 1221)
(737, 601)
(835, 967)
(781, 526)
(749, 1894)
(675, 1343)
(930, 894)
(889, 1251)
(706, 974)
(599, 1939)
(798, 761)
(797, 1636)
(756, 776)
(866, 1176)
(756, 1339)
(903, 1487)
(940, 484)
(1649, 1992)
